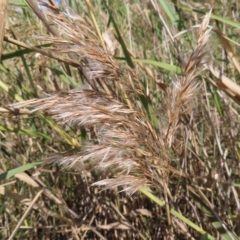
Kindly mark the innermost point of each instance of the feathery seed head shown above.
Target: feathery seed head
(124, 141)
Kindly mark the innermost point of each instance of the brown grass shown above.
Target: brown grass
(123, 145)
(123, 139)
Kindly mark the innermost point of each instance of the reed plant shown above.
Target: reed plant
(126, 150)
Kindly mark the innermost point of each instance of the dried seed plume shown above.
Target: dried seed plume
(186, 88)
(123, 140)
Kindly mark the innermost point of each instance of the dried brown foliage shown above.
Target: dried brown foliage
(185, 89)
(124, 127)
(123, 139)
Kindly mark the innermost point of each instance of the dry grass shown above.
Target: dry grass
(121, 130)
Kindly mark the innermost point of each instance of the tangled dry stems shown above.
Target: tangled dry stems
(122, 138)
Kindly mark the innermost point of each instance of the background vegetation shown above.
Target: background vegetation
(199, 196)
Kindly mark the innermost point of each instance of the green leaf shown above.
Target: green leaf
(166, 66)
(121, 41)
(218, 225)
(14, 171)
(21, 52)
(8, 90)
(217, 100)
(175, 213)
(213, 16)
(204, 237)
(236, 185)
(169, 9)
(27, 69)
(225, 20)
(24, 132)
(20, 3)
(65, 78)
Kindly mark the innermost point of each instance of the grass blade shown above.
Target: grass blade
(121, 41)
(165, 66)
(14, 171)
(144, 191)
(21, 52)
(25, 132)
(169, 9)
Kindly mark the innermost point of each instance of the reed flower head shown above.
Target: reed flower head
(124, 140)
(186, 88)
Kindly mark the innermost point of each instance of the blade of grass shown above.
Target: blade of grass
(165, 66)
(121, 41)
(213, 16)
(22, 52)
(170, 11)
(225, 234)
(95, 23)
(8, 90)
(225, 20)
(144, 191)
(64, 77)
(217, 101)
(29, 75)
(70, 140)
(11, 173)
(25, 132)
(20, 3)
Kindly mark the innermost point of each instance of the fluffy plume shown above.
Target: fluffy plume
(185, 89)
(78, 41)
(124, 141)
